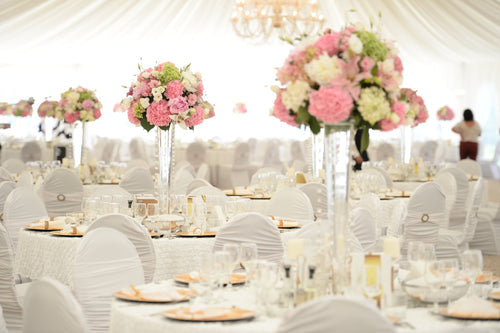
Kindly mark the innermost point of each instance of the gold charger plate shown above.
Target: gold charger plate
(187, 234)
(66, 234)
(42, 228)
(155, 234)
(139, 298)
(285, 226)
(471, 315)
(494, 296)
(186, 278)
(386, 198)
(256, 197)
(209, 314)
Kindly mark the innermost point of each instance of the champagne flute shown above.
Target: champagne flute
(248, 252)
(222, 267)
(433, 279)
(234, 257)
(472, 264)
(140, 211)
(449, 270)
(153, 210)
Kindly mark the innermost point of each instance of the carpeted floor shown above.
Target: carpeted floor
(491, 262)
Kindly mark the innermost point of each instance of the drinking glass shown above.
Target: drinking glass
(434, 280)
(90, 210)
(484, 284)
(396, 304)
(140, 211)
(449, 269)
(234, 256)
(371, 281)
(472, 264)
(248, 252)
(222, 267)
(153, 210)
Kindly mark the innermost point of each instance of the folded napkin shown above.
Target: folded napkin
(153, 292)
(50, 224)
(79, 229)
(417, 270)
(473, 305)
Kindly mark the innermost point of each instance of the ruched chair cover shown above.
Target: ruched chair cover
(335, 314)
(371, 202)
(31, 151)
(396, 218)
(137, 181)
(195, 154)
(182, 177)
(470, 167)
(3, 325)
(316, 193)
(5, 188)
(487, 235)
(195, 183)
(387, 177)
(62, 192)
(22, 207)
(291, 203)
(203, 172)
(428, 151)
(137, 234)
(50, 307)
(106, 261)
(5, 175)
(449, 186)
(256, 228)
(364, 229)
(208, 190)
(14, 165)
(384, 151)
(458, 209)
(25, 179)
(9, 301)
(240, 172)
(137, 163)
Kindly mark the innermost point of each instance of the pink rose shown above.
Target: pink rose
(192, 99)
(63, 103)
(131, 116)
(71, 117)
(196, 118)
(97, 113)
(398, 64)
(328, 43)
(178, 105)
(200, 88)
(87, 104)
(174, 89)
(158, 113)
(367, 64)
(282, 113)
(330, 105)
(399, 108)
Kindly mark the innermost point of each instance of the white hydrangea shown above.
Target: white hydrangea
(189, 81)
(144, 102)
(146, 75)
(323, 70)
(355, 44)
(73, 97)
(295, 94)
(373, 105)
(125, 103)
(388, 66)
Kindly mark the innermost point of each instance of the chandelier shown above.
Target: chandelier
(260, 18)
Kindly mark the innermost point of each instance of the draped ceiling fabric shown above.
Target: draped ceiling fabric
(450, 50)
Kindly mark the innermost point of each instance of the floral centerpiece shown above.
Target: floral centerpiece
(166, 94)
(417, 111)
(78, 104)
(445, 113)
(23, 108)
(240, 108)
(47, 109)
(5, 109)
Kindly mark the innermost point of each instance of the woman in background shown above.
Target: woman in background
(469, 131)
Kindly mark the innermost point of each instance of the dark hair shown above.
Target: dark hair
(468, 115)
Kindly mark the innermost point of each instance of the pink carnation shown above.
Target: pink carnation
(158, 113)
(192, 99)
(399, 108)
(200, 88)
(97, 113)
(145, 90)
(153, 84)
(131, 116)
(197, 117)
(174, 89)
(87, 104)
(178, 105)
(328, 43)
(71, 117)
(421, 116)
(282, 113)
(398, 64)
(63, 103)
(330, 105)
(367, 64)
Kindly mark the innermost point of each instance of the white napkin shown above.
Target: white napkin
(417, 269)
(52, 224)
(80, 229)
(473, 304)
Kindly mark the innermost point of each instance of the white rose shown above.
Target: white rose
(158, 90)
(126, 102)
(144, 102)
(189, 81)
(388, 66)
(295, 94)
(146, 75)
(323, 70)
(157, 97)
(355, 44)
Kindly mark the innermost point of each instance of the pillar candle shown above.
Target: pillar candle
(295, 248)
(391, 246)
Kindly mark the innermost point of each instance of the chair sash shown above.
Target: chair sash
(58, 204)
(422, 227)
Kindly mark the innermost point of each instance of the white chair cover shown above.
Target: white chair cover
(181, 179)
(9, 302)
(316, 193)
(5, 188)
(208, 190)
(50, 307)
(137, 181)
(195, 183)
(137, 234)
(14, 165)
(62, 192)
(261, 171)
(26, 180)
(371, 202)
(449, 185)
(3, 325)
(458, 209)
(5, 175)
(272, 156)
(335, 314)
(428, 151)
(387, 177)
(109, 190)
(297, 151)
(384, 151)
(106, 261)
(364, 229)
(291, 203)
(398, 215)
(426, 214)
(470, 167)
(195, 154)
(241, 163)
(252, 227)
(31, 151)
(203, 172)
(137, 163)
(487, 235)
(22, 207)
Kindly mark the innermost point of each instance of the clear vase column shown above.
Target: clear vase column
(79, 138)
(338, 161)
(317, 153)
(406, 140)
(165, 169)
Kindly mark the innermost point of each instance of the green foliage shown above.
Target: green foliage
(169, 73)
(372, 46)
(145, 124)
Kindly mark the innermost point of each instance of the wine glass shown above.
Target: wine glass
(433, 279)
(371, 281)
(449, 269)
(234, 257)
(140, 211)
(248, 252)
(222, 267)
(472, 264)
(153, 210)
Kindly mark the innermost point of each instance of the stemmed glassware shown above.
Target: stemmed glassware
(472, 265)
(248, 252)
(153, 211)
(233, 251)
(449, 270)
(434, 280)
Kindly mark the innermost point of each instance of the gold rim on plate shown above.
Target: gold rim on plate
(42, 228)
(186, 278)
(209, 314)
(494, 296)
(470, 315)
(187, 234)
(67, 234)
(139, 298)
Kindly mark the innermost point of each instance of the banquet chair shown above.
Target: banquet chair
(21, 207)
(203, 172)
(138, 150)
(256, 228)
(335, 314)
(62, 192)
(50, 307)
(398, 215)
(137, 234)
(316, 193)
(31, 151)
(428, 151)
(195, 183)
(3, 325)
(490, 168)
(255, 180)
(5, 188)
(105, 262)
(137, 163)
(449, 186)
(5, 175)
(14, 165)
(241, 163)
(291, 203)
(9, 299)
(487, 235)
(137, 181)
(195, 154)
(182, 177)
(458, 209)
(364, 229)
(109, 190)
(207, 190)
(272, 156)
(385, 174)
(371, 202)
(25, 179)
(470, 167)
(384, 151)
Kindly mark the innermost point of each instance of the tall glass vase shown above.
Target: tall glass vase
(165, 168)
(317, 153)
(406, 140)
(338, 166)
(79, 137)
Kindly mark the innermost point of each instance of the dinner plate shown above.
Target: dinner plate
(187, 278)
(257, 197)
(209, 314)
(482, 278)
(42, 228)
(495, 296)
(67, 234)
(155, 234)
(139, 298)
(187, 234)
(470, 315)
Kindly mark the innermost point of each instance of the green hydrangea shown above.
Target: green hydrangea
(85, 95)
(372, 46)
(169, 73)
(138, 110)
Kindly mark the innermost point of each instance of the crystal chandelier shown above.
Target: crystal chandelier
(259, 18)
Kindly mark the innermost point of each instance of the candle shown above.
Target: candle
(295, 248)
(391, 246)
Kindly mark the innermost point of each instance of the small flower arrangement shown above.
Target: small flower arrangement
(78, 104)
(166, 94)
(417, 111)
(5, 109)
(23, 108)
(350, 75)
(445, 113)
(47, 109)
(240, 108)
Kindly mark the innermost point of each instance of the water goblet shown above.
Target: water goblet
(472, 264)
(248, 252)
(449, 269)
(434, 279)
